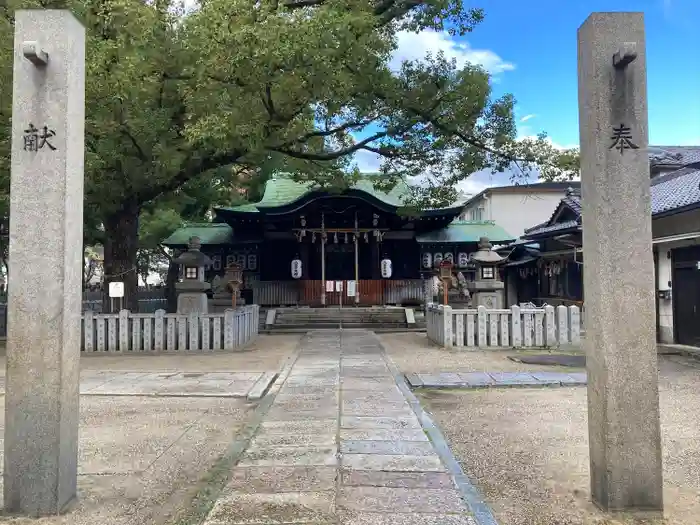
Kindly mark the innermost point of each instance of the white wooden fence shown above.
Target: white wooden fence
(161, 332)
(516, 327)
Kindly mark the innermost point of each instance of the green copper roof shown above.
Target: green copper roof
(466, 231)
(282, 190)
(209, 233)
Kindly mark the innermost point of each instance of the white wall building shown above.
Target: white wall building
(515, 208)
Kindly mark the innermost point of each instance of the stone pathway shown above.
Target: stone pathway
(495, 379)
(340, 444)
(173, 383)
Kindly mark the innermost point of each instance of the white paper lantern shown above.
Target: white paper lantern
(296, 269)
(462, 259)
(448, 257)
(437, 259)
(386, 268)
(252, 262)
(427, 260)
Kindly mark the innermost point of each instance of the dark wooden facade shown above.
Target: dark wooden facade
(340, 239)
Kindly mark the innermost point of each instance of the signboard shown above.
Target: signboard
(351, 288)
(116, 289)
(445, 269)
(329, 286)
(339, 286)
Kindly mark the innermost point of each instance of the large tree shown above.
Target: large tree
(174, 97)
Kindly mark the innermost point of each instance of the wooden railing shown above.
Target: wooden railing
(515, 327)
(309, 292)
(161, 332)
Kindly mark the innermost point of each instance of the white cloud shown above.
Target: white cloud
(549, 140)
(527, 117)
(367, 162)
(414, 46)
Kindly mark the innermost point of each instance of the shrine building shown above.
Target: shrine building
(301, 245)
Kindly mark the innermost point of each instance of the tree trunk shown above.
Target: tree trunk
(121, 245)
(170, 280)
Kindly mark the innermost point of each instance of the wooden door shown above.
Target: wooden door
(686, 304)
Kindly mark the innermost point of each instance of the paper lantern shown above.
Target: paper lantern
(252, 262)
(462, 259)
(437, 259)
(448, 257)
(427, 260)
(296, 269)
(386, 268)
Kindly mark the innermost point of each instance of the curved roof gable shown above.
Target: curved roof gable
(282, 191)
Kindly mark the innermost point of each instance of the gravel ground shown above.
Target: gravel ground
(267, 352)
(141, 458)
(412, 352)
(527, 449)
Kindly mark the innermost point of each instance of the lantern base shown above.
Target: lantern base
(188, 303)
(490, 299)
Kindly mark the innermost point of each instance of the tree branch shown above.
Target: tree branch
(330, 155)
(327, 132)
(196, 166)
(139, 152)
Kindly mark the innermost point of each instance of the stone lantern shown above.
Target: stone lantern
(488, 288)
(191, 290)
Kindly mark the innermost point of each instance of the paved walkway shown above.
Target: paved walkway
(340, 444)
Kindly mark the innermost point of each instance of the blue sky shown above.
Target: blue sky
(530, 48)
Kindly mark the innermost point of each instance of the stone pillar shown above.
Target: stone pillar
(620, 343)
(46, 248)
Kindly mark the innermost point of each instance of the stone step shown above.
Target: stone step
(378, 330)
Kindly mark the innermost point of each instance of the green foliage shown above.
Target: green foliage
(185, 108)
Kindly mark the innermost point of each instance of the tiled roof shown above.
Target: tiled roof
(209, 233)
(674, 190)
(573, 200)
(671, 191)
(559, 226)
(466, 231)
(283, 190)
(674, 155)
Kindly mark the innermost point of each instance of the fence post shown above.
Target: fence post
(123, 330)
(256, 318)
(481, 323)
(562, 325)
(88, 332)
(516, 330)
(550, 326)
(447, 326)
(429, 321)
(574, 325)
(229, 318)
(194, 331)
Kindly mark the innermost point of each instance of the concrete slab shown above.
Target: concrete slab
(371, 518)
(412, 448)
(390, 499)
(289, 456)
(383, 434)
(282, 479)
(408, 480)
(388, 423)
(286, 507)
(389, 462)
